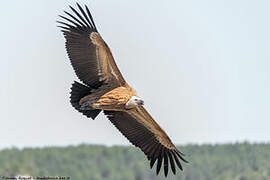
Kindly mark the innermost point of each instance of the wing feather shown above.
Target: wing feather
(166, 165)
(177, 161)
(90, 56)
(159, 163)
(142, 131)
(172, 162)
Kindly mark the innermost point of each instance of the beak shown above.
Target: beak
(141, 102)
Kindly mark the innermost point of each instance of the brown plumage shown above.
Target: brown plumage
(106, 90)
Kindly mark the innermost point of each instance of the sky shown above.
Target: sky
(202, 68)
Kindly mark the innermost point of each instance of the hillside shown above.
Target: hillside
(230, 161)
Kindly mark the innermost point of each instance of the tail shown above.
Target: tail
(78, 91)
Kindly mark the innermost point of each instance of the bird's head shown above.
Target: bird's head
(134, 101)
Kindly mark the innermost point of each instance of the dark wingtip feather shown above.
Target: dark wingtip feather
(89, 14)
(63, 23)
(152, 162)
(154, 155)
(84, 23)
(166, 164)
(69, 20)
(159, 164)
(172, 162)
(179, 155)
(79, 20)
(76, 19)
(85, 16)
(63, 29)
(177, 162)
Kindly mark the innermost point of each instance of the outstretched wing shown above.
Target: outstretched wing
(141, 130)
(90, 56)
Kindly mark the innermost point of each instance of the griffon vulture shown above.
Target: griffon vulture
(105, 89)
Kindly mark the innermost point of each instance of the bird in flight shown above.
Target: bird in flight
(103, 88)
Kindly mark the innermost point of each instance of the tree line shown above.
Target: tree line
(240, 161)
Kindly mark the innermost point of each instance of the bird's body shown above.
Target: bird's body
(114, 100)
(105, 89)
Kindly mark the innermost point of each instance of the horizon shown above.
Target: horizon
(130, 145)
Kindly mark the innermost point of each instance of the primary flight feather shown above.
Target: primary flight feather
(105, 89)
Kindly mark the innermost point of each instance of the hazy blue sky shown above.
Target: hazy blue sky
(202, 68)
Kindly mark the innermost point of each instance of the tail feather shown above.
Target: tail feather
(78, 91)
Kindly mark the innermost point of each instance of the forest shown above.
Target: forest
(239, 161)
